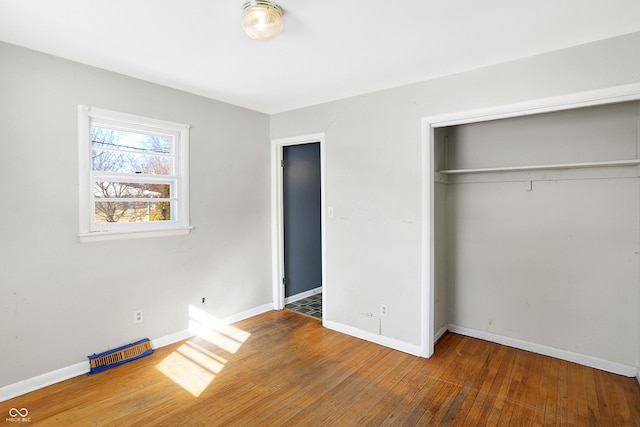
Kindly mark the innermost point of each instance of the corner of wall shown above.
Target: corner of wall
(440, 333)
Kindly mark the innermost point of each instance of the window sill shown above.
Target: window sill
(122, 235)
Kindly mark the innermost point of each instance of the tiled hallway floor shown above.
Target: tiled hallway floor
(311, 306)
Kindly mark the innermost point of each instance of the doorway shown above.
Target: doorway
(298, 225)
(301, 208)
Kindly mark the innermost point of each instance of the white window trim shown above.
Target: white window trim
(131, 230)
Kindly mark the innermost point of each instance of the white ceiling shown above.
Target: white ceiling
(329, 49)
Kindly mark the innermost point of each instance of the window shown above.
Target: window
(133, 176)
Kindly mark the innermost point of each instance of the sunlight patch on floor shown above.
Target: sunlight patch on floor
(195, 364)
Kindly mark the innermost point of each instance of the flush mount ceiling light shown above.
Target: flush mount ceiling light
(261, 20)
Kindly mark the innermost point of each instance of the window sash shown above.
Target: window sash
(99, 176)
(134, 211)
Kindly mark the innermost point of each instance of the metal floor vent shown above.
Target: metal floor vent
(120, 355)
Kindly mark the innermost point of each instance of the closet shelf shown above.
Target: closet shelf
(613, 163)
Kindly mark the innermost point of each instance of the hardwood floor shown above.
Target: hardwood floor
(283, 368)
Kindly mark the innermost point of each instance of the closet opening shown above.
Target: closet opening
(531, 227)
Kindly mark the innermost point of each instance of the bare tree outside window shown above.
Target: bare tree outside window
(126, 152)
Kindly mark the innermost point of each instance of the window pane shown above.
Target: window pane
(117, 161)
(131, 141)
(132, 211)
(131, 152)
(112, 190)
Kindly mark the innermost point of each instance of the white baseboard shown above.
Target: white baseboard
(247, 314)
(377, 339)
(638, 375)
(302, 295)
(440, 333)
(26, 386)
(581, 359)
(18, 389)
(171, 339)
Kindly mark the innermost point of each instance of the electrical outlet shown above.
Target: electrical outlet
(384, 310)
(138, 316)
(203, 300)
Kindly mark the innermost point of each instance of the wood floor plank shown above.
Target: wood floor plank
(550, 384)
(400, 399)
(477, 413)
(375, 389)
(577, 395)
(513, 392)
(562, 413)
(525, 381)
(281, 368)
(535, 393)
(430, 401)
(448, 396)
(354, 391)
(478, 373)
(501, 391)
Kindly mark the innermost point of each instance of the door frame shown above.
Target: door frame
(569, 101)
(277, 214)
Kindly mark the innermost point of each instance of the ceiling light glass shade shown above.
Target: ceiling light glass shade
(261, 20)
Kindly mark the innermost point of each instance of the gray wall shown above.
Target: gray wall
(61, 300)
(373, 166)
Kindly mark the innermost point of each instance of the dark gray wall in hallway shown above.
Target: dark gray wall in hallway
(302, 224)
